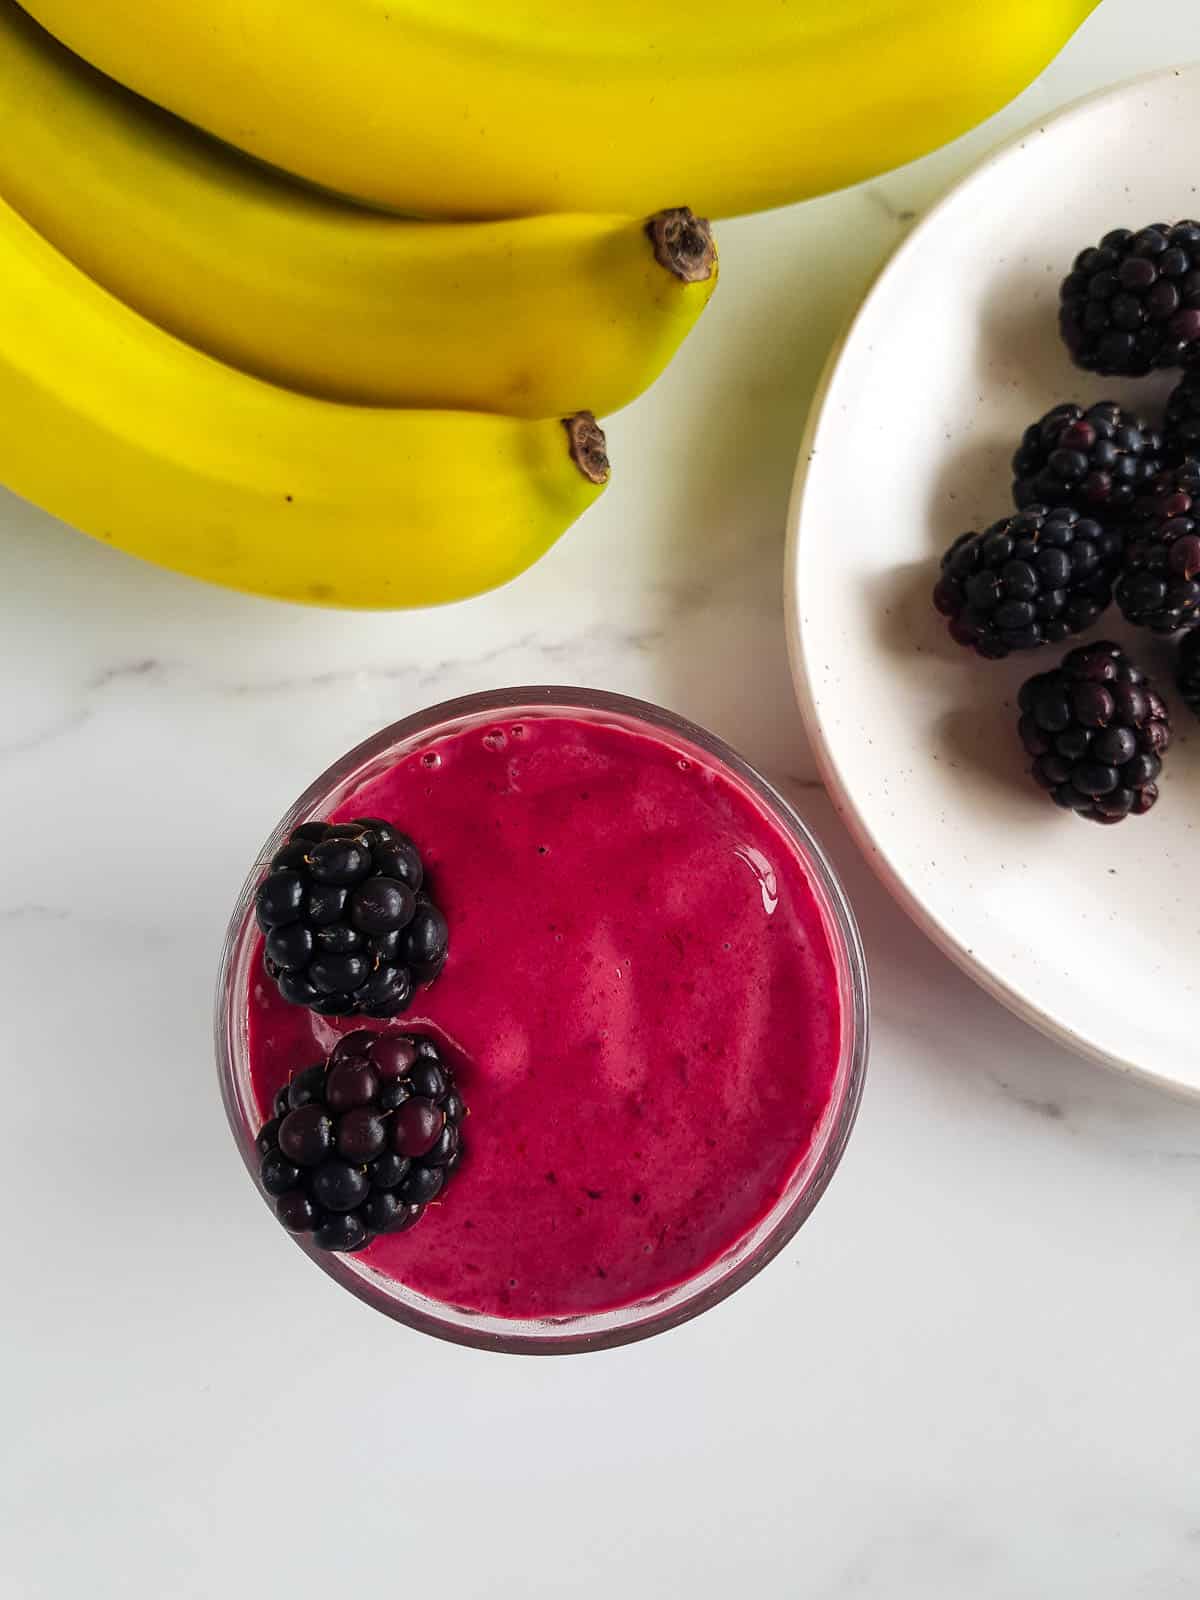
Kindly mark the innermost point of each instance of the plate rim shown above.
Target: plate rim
(872, 848)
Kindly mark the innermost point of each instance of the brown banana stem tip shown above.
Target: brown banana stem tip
(589, 449)
(683, 243)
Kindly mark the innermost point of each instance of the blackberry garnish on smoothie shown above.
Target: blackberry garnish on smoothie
(350, 929)
(361, 1142)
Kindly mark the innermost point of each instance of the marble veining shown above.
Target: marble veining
(973, 1373)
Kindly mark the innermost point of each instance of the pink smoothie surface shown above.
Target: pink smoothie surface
(641, 1005)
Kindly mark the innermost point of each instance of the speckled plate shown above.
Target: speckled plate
(1092, 934)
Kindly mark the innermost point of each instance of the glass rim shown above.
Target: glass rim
(703, 1290)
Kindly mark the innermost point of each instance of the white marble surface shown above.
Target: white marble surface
(974, 1373)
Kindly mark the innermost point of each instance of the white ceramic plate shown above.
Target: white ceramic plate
(1091, 933)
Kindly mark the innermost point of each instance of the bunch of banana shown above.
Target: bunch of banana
(537, 317)
(512, 107)
(226, 370)
(140, 440)
(205, 362)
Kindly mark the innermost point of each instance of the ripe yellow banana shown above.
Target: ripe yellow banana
(537, 317)
(478, 108)
(145, 443)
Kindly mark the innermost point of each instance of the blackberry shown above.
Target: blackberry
(356, 1157)
(1159, 584)
(1031, 579)
(1131, 304)
(349, 928)
(1098, 460)
(1096, 731)
(1181, 429)
(1187, 671)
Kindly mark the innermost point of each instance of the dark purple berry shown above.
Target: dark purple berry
(324, 904)
(358, 1153)
(351, 1083)
(296, 989)
(1159, 585)
(279, 899)
(361, 1134)
(422, 1185)
(453, 1107)
(337, 939)
(1098, 461)
(386, 1213)
(294, 855)
(384, 948)
(296, 1211)
(1187, 672)
(277, 1174)
(307, 1086)
(330, 1005)
(1091, 777)
(338, 974)
(355, 1046)
(426, 939)
(1103, 760)
(306, 1135)
(268, 1136)
(310, 832)
(1028, 580)
(1115, 745)
(393, 1056)
(339, 861)
(383, 831)
(388, 1170)
(444, 1148)
(416, 1126)
(398, 857)
(343, 1231)
(290, 947)
(347, 931)
(1181, 430)
(1092, 705)
(382, 905)
(427, 1080)
(1129, 306)
(386, 992)
(394, 1094)
(339, 1186)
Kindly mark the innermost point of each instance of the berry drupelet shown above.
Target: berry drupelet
(1181, 429)
(1187, 671)
(1096, 731)
(349, 928)
(361, 1143)
(1131, 304)
(1031, 579)
(1159, 583)
(1098, 460)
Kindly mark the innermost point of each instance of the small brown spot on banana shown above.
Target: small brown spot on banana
(589, 448)
(683, 243)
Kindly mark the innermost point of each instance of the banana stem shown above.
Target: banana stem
(683, 243)
(589, 449)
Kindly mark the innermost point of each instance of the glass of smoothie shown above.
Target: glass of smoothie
(654, 1007)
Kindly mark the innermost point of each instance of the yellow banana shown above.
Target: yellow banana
(478, 108)
(536, 317)
(145, 443)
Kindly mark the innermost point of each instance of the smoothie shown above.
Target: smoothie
(641, 1006)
